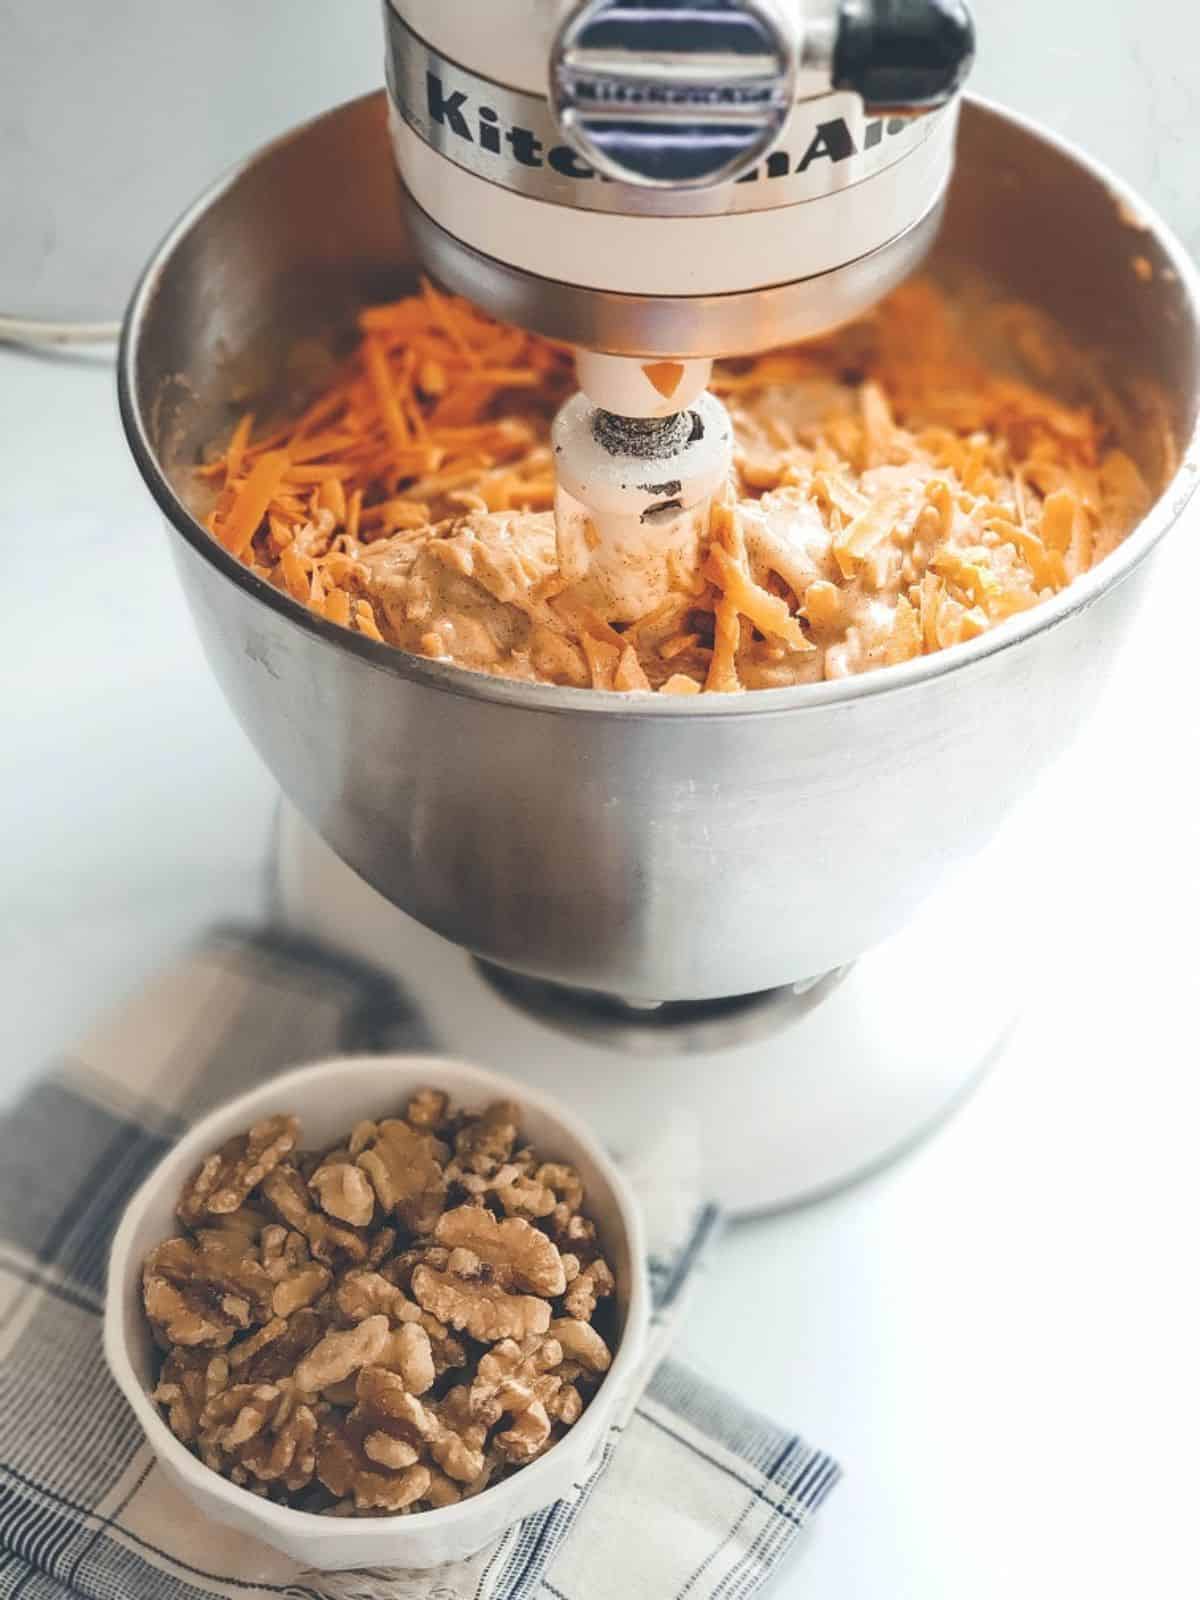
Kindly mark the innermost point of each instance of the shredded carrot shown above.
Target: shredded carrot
(364, 616)
(877, 522)
(602, 659)
(295, 574)
(307, 477)
(722, 669)
(910, 499)
(396, 514)
(251, 500)
(354, 514)
(906, 639)
(766, 611)
(377, 368)
(307, 448)
(238, 441)
(677, 644)
(587, 621)
(332, 498)
(823, 604)
(431, 378)
(445, 316)
(504, 377)
(630, 675)
(1058, 519)
(680, 683)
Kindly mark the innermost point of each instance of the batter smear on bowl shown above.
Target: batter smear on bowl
(893, 494)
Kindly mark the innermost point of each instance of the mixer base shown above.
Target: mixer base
(839, 1089)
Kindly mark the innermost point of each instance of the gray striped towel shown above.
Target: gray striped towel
(694, 1495)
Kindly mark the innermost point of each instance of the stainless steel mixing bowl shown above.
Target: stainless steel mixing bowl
(652, 848)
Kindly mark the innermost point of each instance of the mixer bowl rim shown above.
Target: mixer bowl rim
(555, 700)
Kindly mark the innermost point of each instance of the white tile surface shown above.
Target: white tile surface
(132, 812)
(999, 1335)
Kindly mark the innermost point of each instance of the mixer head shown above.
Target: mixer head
(658, 182)
(675, 178)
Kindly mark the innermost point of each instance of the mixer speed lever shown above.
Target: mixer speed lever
(903, 56)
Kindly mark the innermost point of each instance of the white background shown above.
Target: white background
(999, 1336)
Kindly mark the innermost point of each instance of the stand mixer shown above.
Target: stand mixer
(725, 913)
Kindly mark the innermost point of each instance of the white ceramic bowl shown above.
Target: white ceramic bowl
(329, 1098)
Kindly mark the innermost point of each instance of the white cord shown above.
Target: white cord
(26, 330)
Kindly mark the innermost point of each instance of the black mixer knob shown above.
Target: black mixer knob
(903, 55)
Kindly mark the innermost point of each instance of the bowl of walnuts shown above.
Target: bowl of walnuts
(378, 1309)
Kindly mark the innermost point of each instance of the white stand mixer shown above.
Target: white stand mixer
(660, 184)
(778, 916)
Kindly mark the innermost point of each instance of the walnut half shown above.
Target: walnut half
(227, 1178)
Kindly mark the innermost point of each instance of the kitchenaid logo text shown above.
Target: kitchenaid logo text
(481, 125)
(602, 91)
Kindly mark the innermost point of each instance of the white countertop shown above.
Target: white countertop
(998, 1336)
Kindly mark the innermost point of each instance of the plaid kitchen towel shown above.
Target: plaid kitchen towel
(693, 1495)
